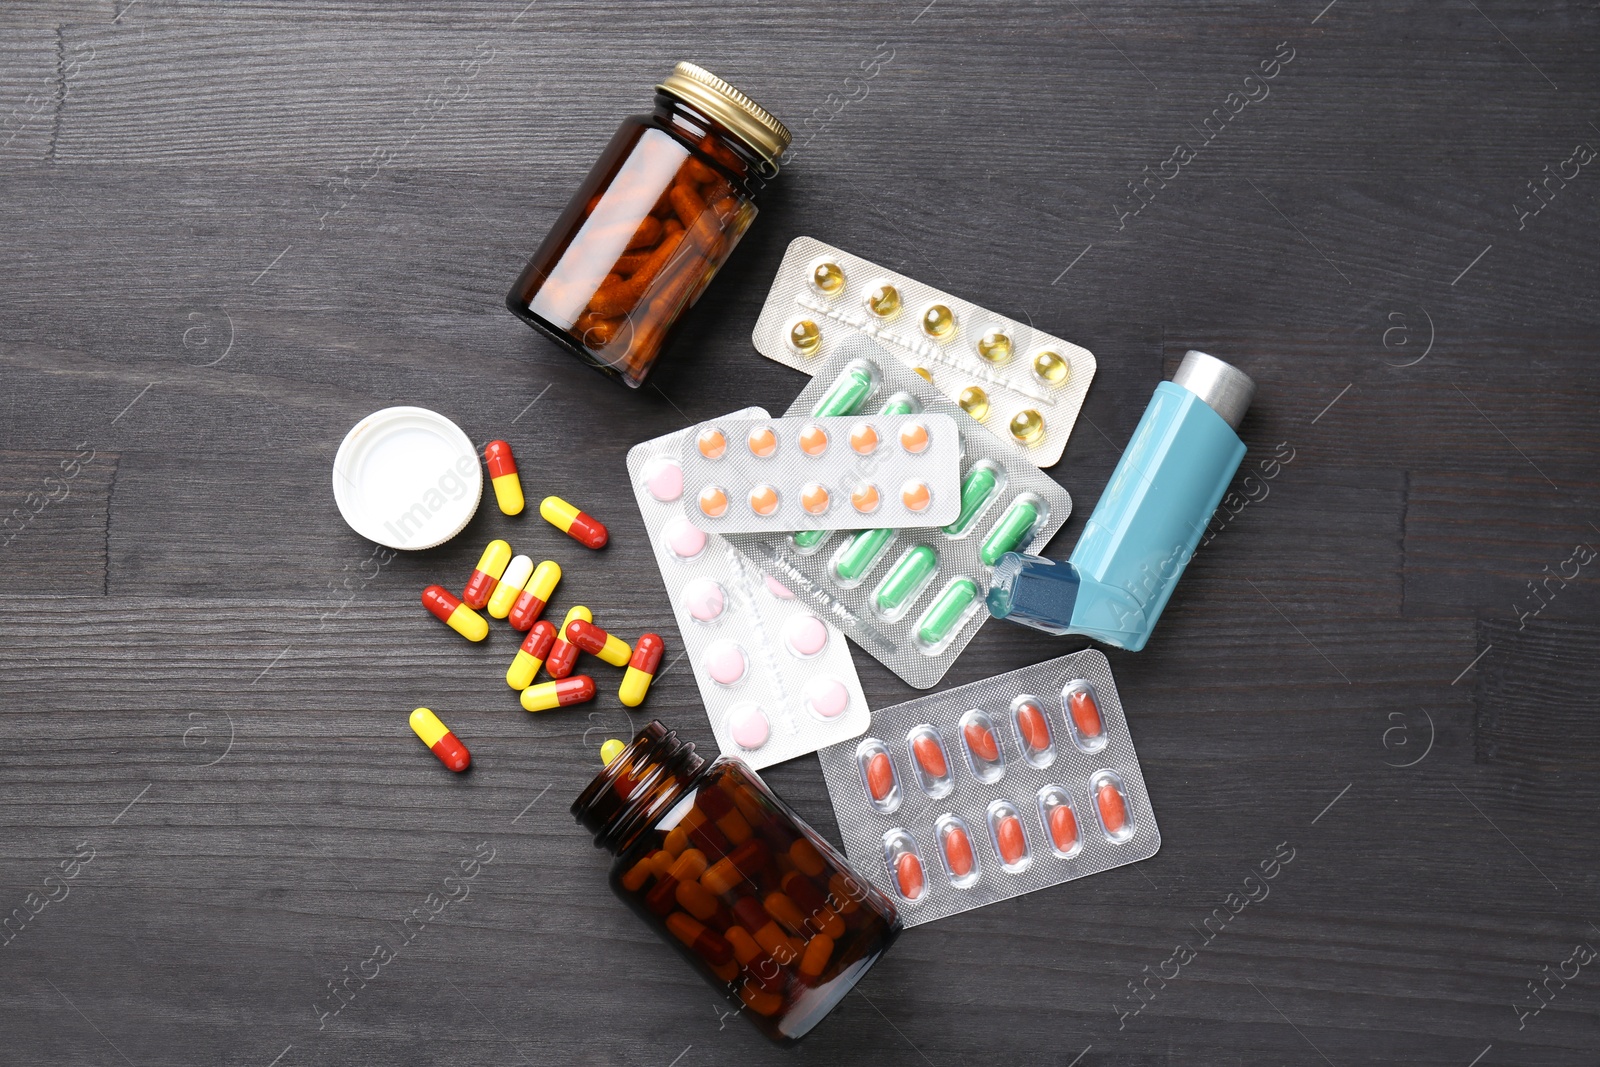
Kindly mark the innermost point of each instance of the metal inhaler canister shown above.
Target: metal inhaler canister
(1148, 521)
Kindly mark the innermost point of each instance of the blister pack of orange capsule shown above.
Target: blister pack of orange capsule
(822, 473)
(777, 680)
(1023, 384)
(993, 789)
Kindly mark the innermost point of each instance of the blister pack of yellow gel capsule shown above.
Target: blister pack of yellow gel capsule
(1024, 385)
(913, 596)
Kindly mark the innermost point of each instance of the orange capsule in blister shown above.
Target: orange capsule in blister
(880, 776)
(1085, 712)
(928, 758)
(900, 853)
(764, 500)
(714, 501)
(1063, 827)
(957, 848)
(877, 774)
(915, 495)
(711, 443)
(1033, 730)
(814, 498)
(982, 746)
(813, 440)
(1113, 807)
(1005, 830)
(763, 442)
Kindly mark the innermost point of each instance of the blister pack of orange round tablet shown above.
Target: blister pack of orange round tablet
(993, 789)
(822, 473)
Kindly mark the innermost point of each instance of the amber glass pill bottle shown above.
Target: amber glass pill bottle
(650, 226)
(728, 875)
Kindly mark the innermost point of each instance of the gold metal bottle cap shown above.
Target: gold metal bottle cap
(743, 117)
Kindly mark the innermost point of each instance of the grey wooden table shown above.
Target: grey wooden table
(231, 231)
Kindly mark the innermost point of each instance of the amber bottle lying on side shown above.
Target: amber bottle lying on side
(727, 873)
(655, 219)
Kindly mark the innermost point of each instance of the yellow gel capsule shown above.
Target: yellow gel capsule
(975, 402)
(938, 321)
(927, 375)
(518, 571)
(611, 750)
(1027, 426)
(995, 346)
(805, 338)
(827, 278)
(1051, 368)
(883, 300)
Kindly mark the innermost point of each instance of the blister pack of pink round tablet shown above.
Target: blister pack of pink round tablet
(777, 680)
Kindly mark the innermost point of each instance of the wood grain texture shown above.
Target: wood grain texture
(234, 230)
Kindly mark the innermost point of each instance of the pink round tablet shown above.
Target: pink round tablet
(777, 588)
(663, 480)
(725, 662)
(827, 697)
(683, 539)
(805, 635)
(749, 727)
(703, 598)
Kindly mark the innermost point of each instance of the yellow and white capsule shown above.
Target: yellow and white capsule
(518, 571)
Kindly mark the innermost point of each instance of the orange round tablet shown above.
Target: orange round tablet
(915, 495)
(1008, 834)
(713, 501)
(865, 498)
(958, 851)
(712, 443)
(1085, 713)
(880, 775)
(914, 437)
(763, 442)
(814, 498)
(930, 756)
(763, 500)
(981, 741)
(813, 440)
(1063, 827)
(1113, 809)
(908, 873)
(1032, 726)
(863, 438)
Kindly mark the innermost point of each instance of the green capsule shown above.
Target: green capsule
(805, 539)
(847, 394)
(976, 489)
(947, 611)
(1011, 532)
(900, 404)
(905, 579)
(859, 554)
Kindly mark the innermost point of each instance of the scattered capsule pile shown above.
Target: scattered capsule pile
(1025, 385)
(513, 588)
(993, 789)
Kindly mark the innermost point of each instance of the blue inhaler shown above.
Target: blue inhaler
(1148, 521)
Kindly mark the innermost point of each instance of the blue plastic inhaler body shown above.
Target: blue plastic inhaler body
(1148, 521)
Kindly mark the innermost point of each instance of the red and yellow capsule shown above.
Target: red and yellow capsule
(547, 695)
(486, 575)
(531, 656)
(437, 736)
(516, 576)
(595, 641)
(641, 670)
(578, 525)
(503, 476)
(564, 654)
(535, 595)
(454, 614)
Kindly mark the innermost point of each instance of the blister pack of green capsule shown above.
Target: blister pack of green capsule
(912, 597)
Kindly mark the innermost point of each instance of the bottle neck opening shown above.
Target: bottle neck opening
(637, 787)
